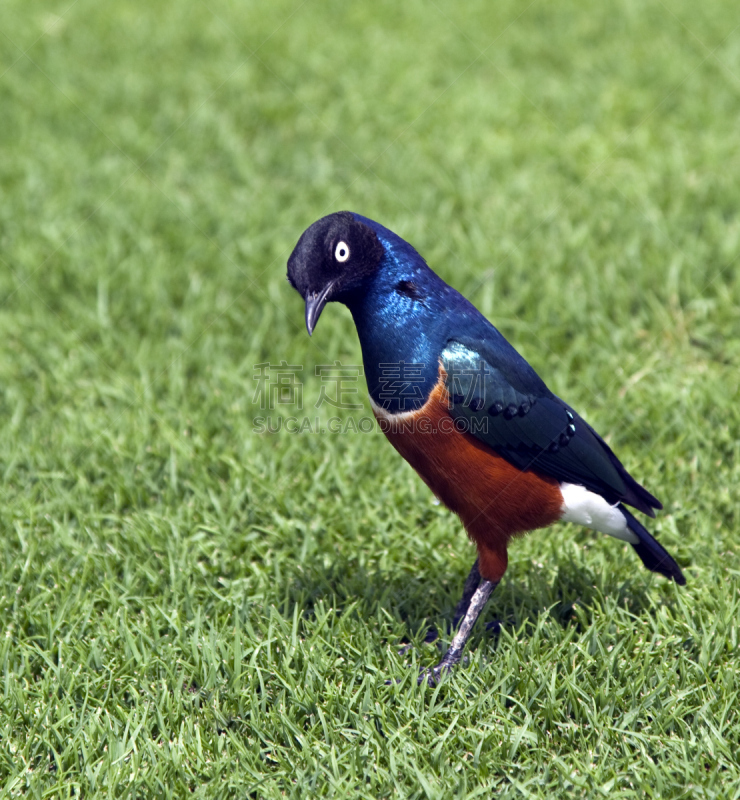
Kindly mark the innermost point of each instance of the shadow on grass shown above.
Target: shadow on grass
(569, 596)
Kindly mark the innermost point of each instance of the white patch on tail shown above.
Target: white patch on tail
(590, 509)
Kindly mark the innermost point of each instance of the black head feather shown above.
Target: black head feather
(332, 260)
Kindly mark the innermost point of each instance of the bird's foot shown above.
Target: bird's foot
(434, 675)
(451, 658)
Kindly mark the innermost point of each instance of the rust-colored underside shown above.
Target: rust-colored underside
(494, 499)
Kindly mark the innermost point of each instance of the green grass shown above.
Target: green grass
(190, 608)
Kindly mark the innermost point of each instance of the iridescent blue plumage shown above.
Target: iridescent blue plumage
(401, 319)
(407, 313)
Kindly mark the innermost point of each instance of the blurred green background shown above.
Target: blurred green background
(192, 608)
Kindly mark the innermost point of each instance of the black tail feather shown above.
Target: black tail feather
(653, 555)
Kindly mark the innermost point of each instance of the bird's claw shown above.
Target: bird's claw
(434, 675)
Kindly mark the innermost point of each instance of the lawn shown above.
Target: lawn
(194, 606)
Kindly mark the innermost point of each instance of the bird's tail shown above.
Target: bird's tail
(653, 555)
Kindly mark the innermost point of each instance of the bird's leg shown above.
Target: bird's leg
(471, 584)
(476, 604)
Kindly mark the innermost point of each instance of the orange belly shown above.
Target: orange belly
(494, 499)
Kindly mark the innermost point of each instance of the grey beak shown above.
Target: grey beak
(315, 305)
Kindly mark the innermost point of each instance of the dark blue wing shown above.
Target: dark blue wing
(508, 407)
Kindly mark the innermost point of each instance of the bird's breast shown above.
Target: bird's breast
(494, 499)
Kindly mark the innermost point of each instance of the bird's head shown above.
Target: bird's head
(333, 259)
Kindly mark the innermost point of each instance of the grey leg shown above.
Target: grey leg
(476, 604)
(471, 584)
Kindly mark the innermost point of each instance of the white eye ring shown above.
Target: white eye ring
(341, 253)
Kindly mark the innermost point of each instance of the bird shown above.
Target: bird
(466, 410)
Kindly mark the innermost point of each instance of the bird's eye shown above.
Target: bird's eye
(342, 252)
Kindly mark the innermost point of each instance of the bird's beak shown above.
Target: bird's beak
(315, 305)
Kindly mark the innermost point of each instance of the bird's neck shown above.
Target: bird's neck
(401, 320)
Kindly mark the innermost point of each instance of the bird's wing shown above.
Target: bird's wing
(507, 406)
